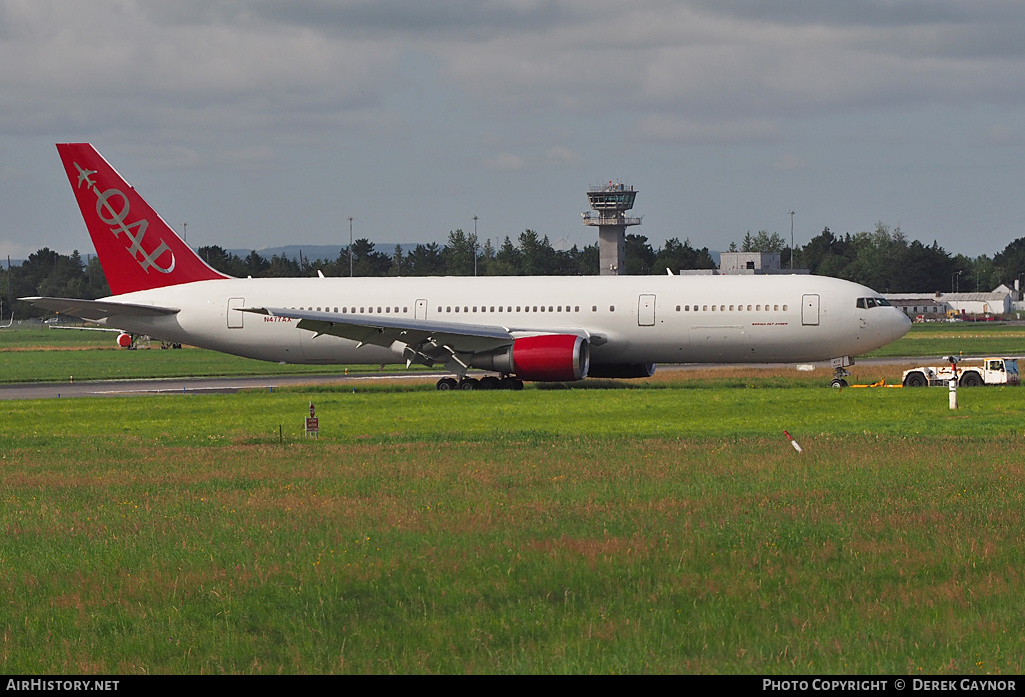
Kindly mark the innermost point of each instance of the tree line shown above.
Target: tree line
(883, 259)
(464, 255)
(888, 262)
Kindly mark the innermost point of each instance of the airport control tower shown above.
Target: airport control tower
(611, 201)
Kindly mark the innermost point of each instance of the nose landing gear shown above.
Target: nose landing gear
(840, 371)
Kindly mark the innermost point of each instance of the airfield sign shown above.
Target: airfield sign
(312, 423)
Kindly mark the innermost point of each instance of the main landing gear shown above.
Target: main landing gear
(486, 383)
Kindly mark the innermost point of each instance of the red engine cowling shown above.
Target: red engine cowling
(548, 358)
(124, 340)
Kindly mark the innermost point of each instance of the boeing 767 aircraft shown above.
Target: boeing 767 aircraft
(518, 328)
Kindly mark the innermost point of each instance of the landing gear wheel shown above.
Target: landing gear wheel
(839, 373)
(446, 384)
(512, 384)
(468, 384)
(489, 383)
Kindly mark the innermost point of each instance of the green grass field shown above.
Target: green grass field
(968, 338)
(59, 355)
(665, 528)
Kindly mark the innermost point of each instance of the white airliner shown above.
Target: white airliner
(519, 328)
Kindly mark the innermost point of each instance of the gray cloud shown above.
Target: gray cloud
(485, 96)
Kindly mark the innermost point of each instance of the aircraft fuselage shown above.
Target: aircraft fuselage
(628, 319)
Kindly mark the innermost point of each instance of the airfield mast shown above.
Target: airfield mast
(611, 201)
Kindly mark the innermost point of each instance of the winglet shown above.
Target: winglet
(137, 249)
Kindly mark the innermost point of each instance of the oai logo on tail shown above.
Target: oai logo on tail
(112, 207)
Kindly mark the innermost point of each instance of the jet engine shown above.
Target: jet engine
(124, 340)
(546, 358)
(622, 370)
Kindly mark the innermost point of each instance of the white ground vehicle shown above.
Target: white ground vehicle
(992, 371)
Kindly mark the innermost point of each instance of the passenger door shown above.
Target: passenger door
(810, 310)
(235, 318)
(646, 311)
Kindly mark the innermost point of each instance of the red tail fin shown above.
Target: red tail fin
(137, 249)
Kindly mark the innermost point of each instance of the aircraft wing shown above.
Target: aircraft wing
(420, 341)
(99, 309)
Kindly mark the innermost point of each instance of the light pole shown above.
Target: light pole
(474, 245)
(350, 246)
(956, 278)
(791, 214)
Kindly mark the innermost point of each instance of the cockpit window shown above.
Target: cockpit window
(866, 303)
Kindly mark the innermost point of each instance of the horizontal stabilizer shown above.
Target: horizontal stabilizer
(99, 309)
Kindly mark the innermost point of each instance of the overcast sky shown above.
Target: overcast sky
(270, 122)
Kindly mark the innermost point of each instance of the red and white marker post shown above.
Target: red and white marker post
(793, 442)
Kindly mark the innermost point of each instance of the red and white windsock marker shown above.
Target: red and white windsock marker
(793, 442)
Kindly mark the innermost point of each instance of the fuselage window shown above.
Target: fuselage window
(576, 308)
(457, 308)
(535, 308)
(509, 308)
(361, 310)
(704, 308)
(713, 308)
(465, 308)
(542, 308)
(784, 308)
(612, 308)
(594, 308)
(677, 308)
(499, 308)
(775, 308)
(731, 308)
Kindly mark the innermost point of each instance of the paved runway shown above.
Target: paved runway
(121, 388)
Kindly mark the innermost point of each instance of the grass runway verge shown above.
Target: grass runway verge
(669, 528)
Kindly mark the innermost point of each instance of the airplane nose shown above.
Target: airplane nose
(900, 325)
